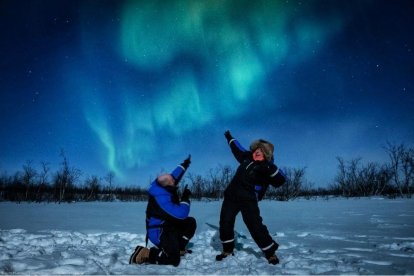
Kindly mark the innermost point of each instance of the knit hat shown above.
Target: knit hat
(266, 147)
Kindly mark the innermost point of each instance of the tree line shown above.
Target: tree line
(353, 179)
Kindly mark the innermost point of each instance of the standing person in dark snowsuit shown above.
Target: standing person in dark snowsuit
(169, 227)
(248, 186)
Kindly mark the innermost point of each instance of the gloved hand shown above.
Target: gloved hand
(186, 163)
(228, 136)
(186, 194)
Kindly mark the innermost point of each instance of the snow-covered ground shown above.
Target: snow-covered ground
(336, 236)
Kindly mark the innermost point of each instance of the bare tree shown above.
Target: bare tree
(219, 178)
(372, 179)
(109, 178)
(198, 185)
(93, 185)
(382, 180)
(347, 178)
(29, 174)
(354, 180)
(402, 166)
(357, 179)
(43, 175)
(293, 185)
(212, 185)
(65, 178)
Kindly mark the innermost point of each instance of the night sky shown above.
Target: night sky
(133, 87)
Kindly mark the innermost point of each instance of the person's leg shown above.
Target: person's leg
(186, 230)
(168, 251)
(254, 222)
(229, 210)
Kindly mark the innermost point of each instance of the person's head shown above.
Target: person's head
(262, 149)
(166, 180)
(258, 155)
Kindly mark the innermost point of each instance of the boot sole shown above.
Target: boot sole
(220, 257)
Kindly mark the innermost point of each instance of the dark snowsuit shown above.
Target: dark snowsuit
(247, 187)
(169, 227)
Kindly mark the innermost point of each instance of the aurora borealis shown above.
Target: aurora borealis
(134, 86)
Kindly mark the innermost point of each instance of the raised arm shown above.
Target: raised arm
(236, 148)
(179, 171)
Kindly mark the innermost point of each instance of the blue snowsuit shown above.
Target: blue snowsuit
(169, 227)
(247, 187)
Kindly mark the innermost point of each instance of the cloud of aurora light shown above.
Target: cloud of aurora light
(211, 58)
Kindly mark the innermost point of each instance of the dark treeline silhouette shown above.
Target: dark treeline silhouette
(354, 178)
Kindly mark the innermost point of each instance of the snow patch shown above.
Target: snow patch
(61, 239)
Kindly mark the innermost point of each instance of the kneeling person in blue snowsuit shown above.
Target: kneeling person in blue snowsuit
(248, 186)
(169, 227)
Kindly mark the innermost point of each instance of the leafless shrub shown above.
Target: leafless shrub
(402, 167)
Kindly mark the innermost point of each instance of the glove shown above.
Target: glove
(186, 195)
(228, 136)
(187, 162)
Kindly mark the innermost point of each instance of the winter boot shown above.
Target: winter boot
(273, 260)
(223, 255)
(185, 251)
(270, 253)
(140, 255)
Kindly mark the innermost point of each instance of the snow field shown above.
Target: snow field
(339, 236)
